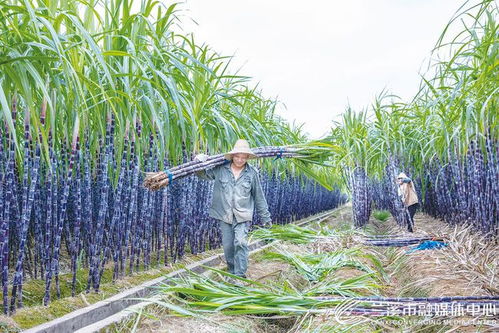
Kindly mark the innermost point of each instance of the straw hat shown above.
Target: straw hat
(241, 147)
(402, 175)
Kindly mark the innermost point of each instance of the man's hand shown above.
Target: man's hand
(201, 157)
(267, 224)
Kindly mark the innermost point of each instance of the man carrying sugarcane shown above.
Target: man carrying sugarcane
(236, 192)
(407, 193)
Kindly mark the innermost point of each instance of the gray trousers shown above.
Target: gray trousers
(235, 243)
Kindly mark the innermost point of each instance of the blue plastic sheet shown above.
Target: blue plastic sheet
(428, 245)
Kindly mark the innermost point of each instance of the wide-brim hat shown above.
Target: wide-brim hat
(402, 175)
(241, 147)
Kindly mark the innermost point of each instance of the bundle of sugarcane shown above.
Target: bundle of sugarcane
(158, 180)
(400, 241)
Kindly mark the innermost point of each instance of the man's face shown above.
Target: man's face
(399, 181)
(240, 159)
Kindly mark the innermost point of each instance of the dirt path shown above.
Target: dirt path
(468, 266)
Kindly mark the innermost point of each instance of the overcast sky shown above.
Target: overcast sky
(317, 57)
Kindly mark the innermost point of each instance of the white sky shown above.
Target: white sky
(316, 56)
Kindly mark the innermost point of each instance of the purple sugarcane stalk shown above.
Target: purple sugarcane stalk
(61, 218)
(27, 208)
(146, 244)
(104, 193)
(127, 193)
(122, 223)
(164, 230)
(48, 232)
(75, 248)
(118, 217)
(162, 227)
(9, 181)
(132, 209)
(3, 185)
(37, 228)
(88, 227)
(51, 205)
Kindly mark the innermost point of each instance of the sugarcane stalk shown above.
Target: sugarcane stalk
(27, 209)
(96, 261)
(9, 181)
(75, 248)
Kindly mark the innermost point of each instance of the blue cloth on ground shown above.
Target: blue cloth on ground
(428, 245)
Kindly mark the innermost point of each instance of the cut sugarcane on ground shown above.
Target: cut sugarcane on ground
(431, 273)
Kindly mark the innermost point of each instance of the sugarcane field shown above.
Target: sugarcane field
(264, 166)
